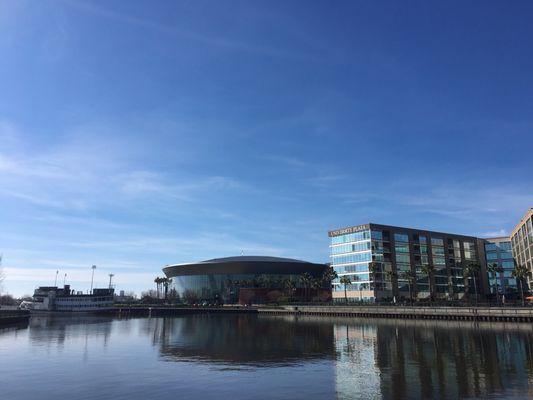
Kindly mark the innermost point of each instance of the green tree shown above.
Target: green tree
(306, 279)
(429, 270)
(157, 282)
(345, 280)
(392, 276)
(410, 277)
(520, 272)
(470, 271)
(329, 275)
(495, 269)
(373, 269)
(290, 285)
(317, 284)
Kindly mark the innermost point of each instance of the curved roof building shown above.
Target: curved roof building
(222, 279)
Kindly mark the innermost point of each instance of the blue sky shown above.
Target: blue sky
(139, 134)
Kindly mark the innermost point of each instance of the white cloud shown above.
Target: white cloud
(498, 233)
(90, 167)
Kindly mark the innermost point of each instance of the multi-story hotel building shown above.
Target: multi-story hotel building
(499, 251)
(376, 258)
(522, 243)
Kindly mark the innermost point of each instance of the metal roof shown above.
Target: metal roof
(244, 265)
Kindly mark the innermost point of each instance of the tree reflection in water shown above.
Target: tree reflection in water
(267, 357)
(432, 359)
(245, 339)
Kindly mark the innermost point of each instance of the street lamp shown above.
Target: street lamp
(92, 277)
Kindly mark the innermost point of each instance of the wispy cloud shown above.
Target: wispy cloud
(79, 174)
(218, 41)
(499, 233)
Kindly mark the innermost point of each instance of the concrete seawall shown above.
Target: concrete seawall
(516, 314)
(8, 317)
(511, 314)
(174, 311)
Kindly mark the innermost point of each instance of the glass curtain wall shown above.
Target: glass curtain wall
(501, 254)
(350, 256)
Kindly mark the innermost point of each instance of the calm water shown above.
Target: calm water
(256, 357)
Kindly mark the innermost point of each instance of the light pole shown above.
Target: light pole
(64, 279)
(55, 282)
(92, 277)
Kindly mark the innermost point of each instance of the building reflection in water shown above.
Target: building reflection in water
(294, 356)
(401, 359)
(245, 339)
(55, 330)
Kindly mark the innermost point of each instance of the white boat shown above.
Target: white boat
(55, 299)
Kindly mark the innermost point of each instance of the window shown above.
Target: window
(351, 258)
(468, 245)
(439, 261)
(437, 241)
(403, 267)
(438, 250)
(348, 248)
(351, 237)
(402, 248)
(505, 246)
(378, 235)
(402, 258)
(490, 247)
(401, 237)
(506, 254)
(422, 239)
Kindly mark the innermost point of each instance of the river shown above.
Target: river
(263, 357)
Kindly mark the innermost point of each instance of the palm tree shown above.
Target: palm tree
(157, 282)
(329, 275)
(290, 285)
(494, 269)
(409, 276)
(373, 269)
(317, 284)
(306, 281)
(392, 276)
(520, 272)
(428, 270)
(345, 280)
(471, 271)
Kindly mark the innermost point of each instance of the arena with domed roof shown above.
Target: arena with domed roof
(249, 279)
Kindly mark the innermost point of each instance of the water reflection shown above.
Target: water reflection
(287, 357)
(433, 359)
(245, 339)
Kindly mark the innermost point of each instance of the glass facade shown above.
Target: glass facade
(248, 279)
(225, 288)
(350, 257)
(499, 252)
(380, 260)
